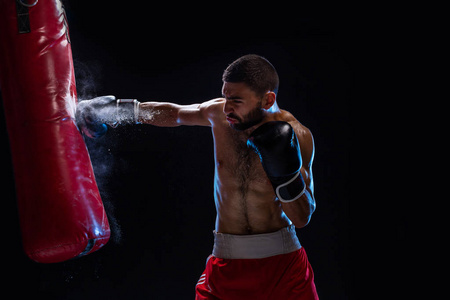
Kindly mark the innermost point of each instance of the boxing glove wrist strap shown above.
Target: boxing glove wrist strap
(285, 186)
(127, 112)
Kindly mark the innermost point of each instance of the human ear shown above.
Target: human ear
(269, 100)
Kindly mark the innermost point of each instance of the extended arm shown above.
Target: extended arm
(92, 115)
(165, 114)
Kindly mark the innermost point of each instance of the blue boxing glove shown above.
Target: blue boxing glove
(279, 151)
(92, 116)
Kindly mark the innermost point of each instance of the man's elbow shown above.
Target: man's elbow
(301, 222)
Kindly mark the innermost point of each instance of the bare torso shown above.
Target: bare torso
(244, 197)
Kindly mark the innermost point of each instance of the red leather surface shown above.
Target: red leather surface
(59, 205)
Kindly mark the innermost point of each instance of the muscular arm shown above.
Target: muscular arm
(300, 211)
(166, 114)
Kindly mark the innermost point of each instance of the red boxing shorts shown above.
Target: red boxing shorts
(284, 276)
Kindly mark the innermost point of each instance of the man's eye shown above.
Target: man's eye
(237, 101)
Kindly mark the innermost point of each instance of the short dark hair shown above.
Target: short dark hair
(254, 70)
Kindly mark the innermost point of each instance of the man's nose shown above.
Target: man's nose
(227, 108)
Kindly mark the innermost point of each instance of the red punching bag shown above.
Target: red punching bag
(60, 210)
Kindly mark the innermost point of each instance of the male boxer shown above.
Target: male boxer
(263, 180)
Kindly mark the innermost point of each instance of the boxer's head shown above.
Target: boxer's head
(250, 85)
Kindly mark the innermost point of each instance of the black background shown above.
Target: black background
(157, 183)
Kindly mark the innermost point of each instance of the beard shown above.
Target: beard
(251, 119)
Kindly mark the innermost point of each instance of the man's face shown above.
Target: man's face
(243, 108)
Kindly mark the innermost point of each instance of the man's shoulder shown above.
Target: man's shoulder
(213, 103)
(213, 108)
(301, 130)
(286, 116)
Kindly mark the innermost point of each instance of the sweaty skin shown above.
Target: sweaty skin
(244, 197)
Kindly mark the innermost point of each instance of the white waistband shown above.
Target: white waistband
(231, 246)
